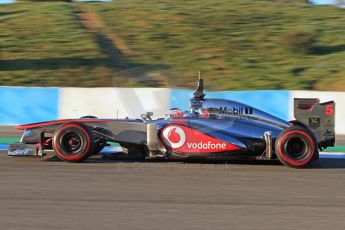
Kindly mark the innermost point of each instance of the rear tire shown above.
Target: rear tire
(73, 142)
(296, 147)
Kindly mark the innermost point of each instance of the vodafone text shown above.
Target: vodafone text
(207, 145)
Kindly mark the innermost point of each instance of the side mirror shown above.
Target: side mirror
(147, 116)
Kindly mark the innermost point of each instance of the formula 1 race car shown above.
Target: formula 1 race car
(213, 128)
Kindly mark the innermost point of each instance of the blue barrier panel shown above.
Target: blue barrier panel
(273, 102)
(180, 98)
(20, 105)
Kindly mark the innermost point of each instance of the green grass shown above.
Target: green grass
(335, 149)
(237, 45)
(9, 140)
(42, 44)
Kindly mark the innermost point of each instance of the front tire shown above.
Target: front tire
(296, 147)
(73, 142)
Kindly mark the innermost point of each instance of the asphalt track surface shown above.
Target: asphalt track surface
(118, 194)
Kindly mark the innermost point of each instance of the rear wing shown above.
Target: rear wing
(318, 117)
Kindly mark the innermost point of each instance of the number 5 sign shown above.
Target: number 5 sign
(329, 110)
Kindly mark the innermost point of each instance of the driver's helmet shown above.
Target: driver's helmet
(174, 113)
(204, 114)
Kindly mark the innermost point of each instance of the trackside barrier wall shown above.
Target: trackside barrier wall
(21, 105)
(112, 102)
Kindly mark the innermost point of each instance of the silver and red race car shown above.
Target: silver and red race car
(213, 128)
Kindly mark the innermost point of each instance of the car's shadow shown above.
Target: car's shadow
(329, 163)
(323, 163)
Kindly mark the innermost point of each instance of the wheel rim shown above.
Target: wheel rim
(296, 147)
(72, 143)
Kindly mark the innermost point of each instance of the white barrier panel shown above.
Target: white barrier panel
(112, 102)
(338, 97)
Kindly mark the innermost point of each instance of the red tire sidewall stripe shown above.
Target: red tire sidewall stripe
(76, 156)
(289, 160)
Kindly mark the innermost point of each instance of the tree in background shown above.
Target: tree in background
(300, 41)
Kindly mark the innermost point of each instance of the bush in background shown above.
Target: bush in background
(300, 41)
